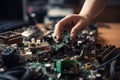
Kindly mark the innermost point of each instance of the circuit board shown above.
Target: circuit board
(47, 59)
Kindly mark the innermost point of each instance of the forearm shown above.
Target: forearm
(92, 8)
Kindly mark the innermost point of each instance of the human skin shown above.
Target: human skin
(75, 22)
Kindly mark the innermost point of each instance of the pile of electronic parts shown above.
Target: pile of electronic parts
(45, 58)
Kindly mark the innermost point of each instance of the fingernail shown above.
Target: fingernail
(72, 35)
(57, 37)
(54, 37)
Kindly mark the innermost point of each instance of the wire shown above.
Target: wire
(22, 71)
(112, 70)
(114, 58)
(7, 77)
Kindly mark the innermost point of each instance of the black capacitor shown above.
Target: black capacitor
(98, 77)
(10, 57)
(48, 67)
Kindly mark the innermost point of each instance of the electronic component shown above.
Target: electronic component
(10, 37)
(66, 67)
(31, 32)
(58, 45)
(45, 58)
(85, 38)
(10, 57)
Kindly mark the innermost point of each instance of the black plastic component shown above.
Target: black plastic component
(11, 25)
(10, 57)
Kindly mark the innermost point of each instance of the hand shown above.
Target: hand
(72, 23)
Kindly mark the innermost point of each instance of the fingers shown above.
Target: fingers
(73, 21)
(75, 30)
(59, 29)
(61, 26)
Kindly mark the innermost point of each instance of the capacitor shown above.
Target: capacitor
(98, 76)
(48, 67)
(38, 43)
(10, 57)
(33, 42)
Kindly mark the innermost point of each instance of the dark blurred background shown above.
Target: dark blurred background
(110, 14)
(18, 9)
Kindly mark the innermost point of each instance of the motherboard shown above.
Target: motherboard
(35, 55)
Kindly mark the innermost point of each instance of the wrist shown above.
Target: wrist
(86, 17)
(84, 20)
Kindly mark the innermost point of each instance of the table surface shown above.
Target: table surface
(109, 34)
